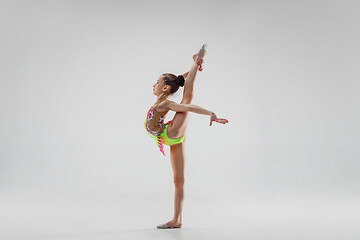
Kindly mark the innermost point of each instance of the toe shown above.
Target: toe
(162, 226)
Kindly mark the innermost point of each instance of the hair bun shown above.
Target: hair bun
(181, 80)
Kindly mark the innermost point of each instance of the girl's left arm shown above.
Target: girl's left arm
(170, 105)
(186, 108)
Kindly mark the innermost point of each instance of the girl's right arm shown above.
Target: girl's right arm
(193, 71)
(185, 74)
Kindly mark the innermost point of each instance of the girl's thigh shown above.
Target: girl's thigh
(177, 158)
(177, 127)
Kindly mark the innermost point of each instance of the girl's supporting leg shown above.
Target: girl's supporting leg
(177, 158)
(177, 129)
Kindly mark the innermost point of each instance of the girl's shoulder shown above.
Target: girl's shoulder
(162, 106)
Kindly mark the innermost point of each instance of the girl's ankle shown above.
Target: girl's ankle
(176, 220)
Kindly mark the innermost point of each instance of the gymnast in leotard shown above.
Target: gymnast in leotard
(172, 133)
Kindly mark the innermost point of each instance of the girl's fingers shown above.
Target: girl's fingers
(222, 120)
(218, 120)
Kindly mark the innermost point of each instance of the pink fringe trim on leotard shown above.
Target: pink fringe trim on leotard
(158, 139)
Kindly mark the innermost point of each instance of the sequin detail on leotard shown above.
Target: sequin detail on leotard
(154, 125)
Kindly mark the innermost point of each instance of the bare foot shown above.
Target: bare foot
(170, 224)
(199, 57)
(201, 52)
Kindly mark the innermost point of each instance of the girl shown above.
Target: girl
(173, 132)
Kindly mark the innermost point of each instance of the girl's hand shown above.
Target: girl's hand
(218, 120)
(202, 52)
(198, 60)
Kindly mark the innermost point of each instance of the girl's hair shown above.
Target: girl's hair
(173, 81)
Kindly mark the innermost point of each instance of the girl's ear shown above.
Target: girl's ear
(166, 88)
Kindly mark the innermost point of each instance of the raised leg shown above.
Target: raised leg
(177, 127)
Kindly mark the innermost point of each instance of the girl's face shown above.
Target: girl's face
(158, 86)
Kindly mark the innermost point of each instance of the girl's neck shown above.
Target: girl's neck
(161, 97)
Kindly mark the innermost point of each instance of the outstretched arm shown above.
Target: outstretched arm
(170, 105)
(189, 108)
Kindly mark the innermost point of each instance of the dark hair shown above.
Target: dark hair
(173, 81)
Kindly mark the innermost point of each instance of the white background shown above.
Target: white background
(76, 83)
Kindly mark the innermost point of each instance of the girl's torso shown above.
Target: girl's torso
(154, 122)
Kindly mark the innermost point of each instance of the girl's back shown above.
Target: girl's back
(154, 123)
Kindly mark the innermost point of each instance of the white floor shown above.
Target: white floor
(275, 218)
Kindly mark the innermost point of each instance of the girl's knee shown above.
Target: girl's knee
(179, 181)
(187, 99)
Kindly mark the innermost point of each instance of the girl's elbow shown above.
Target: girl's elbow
(180, 110)
(183, 109)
